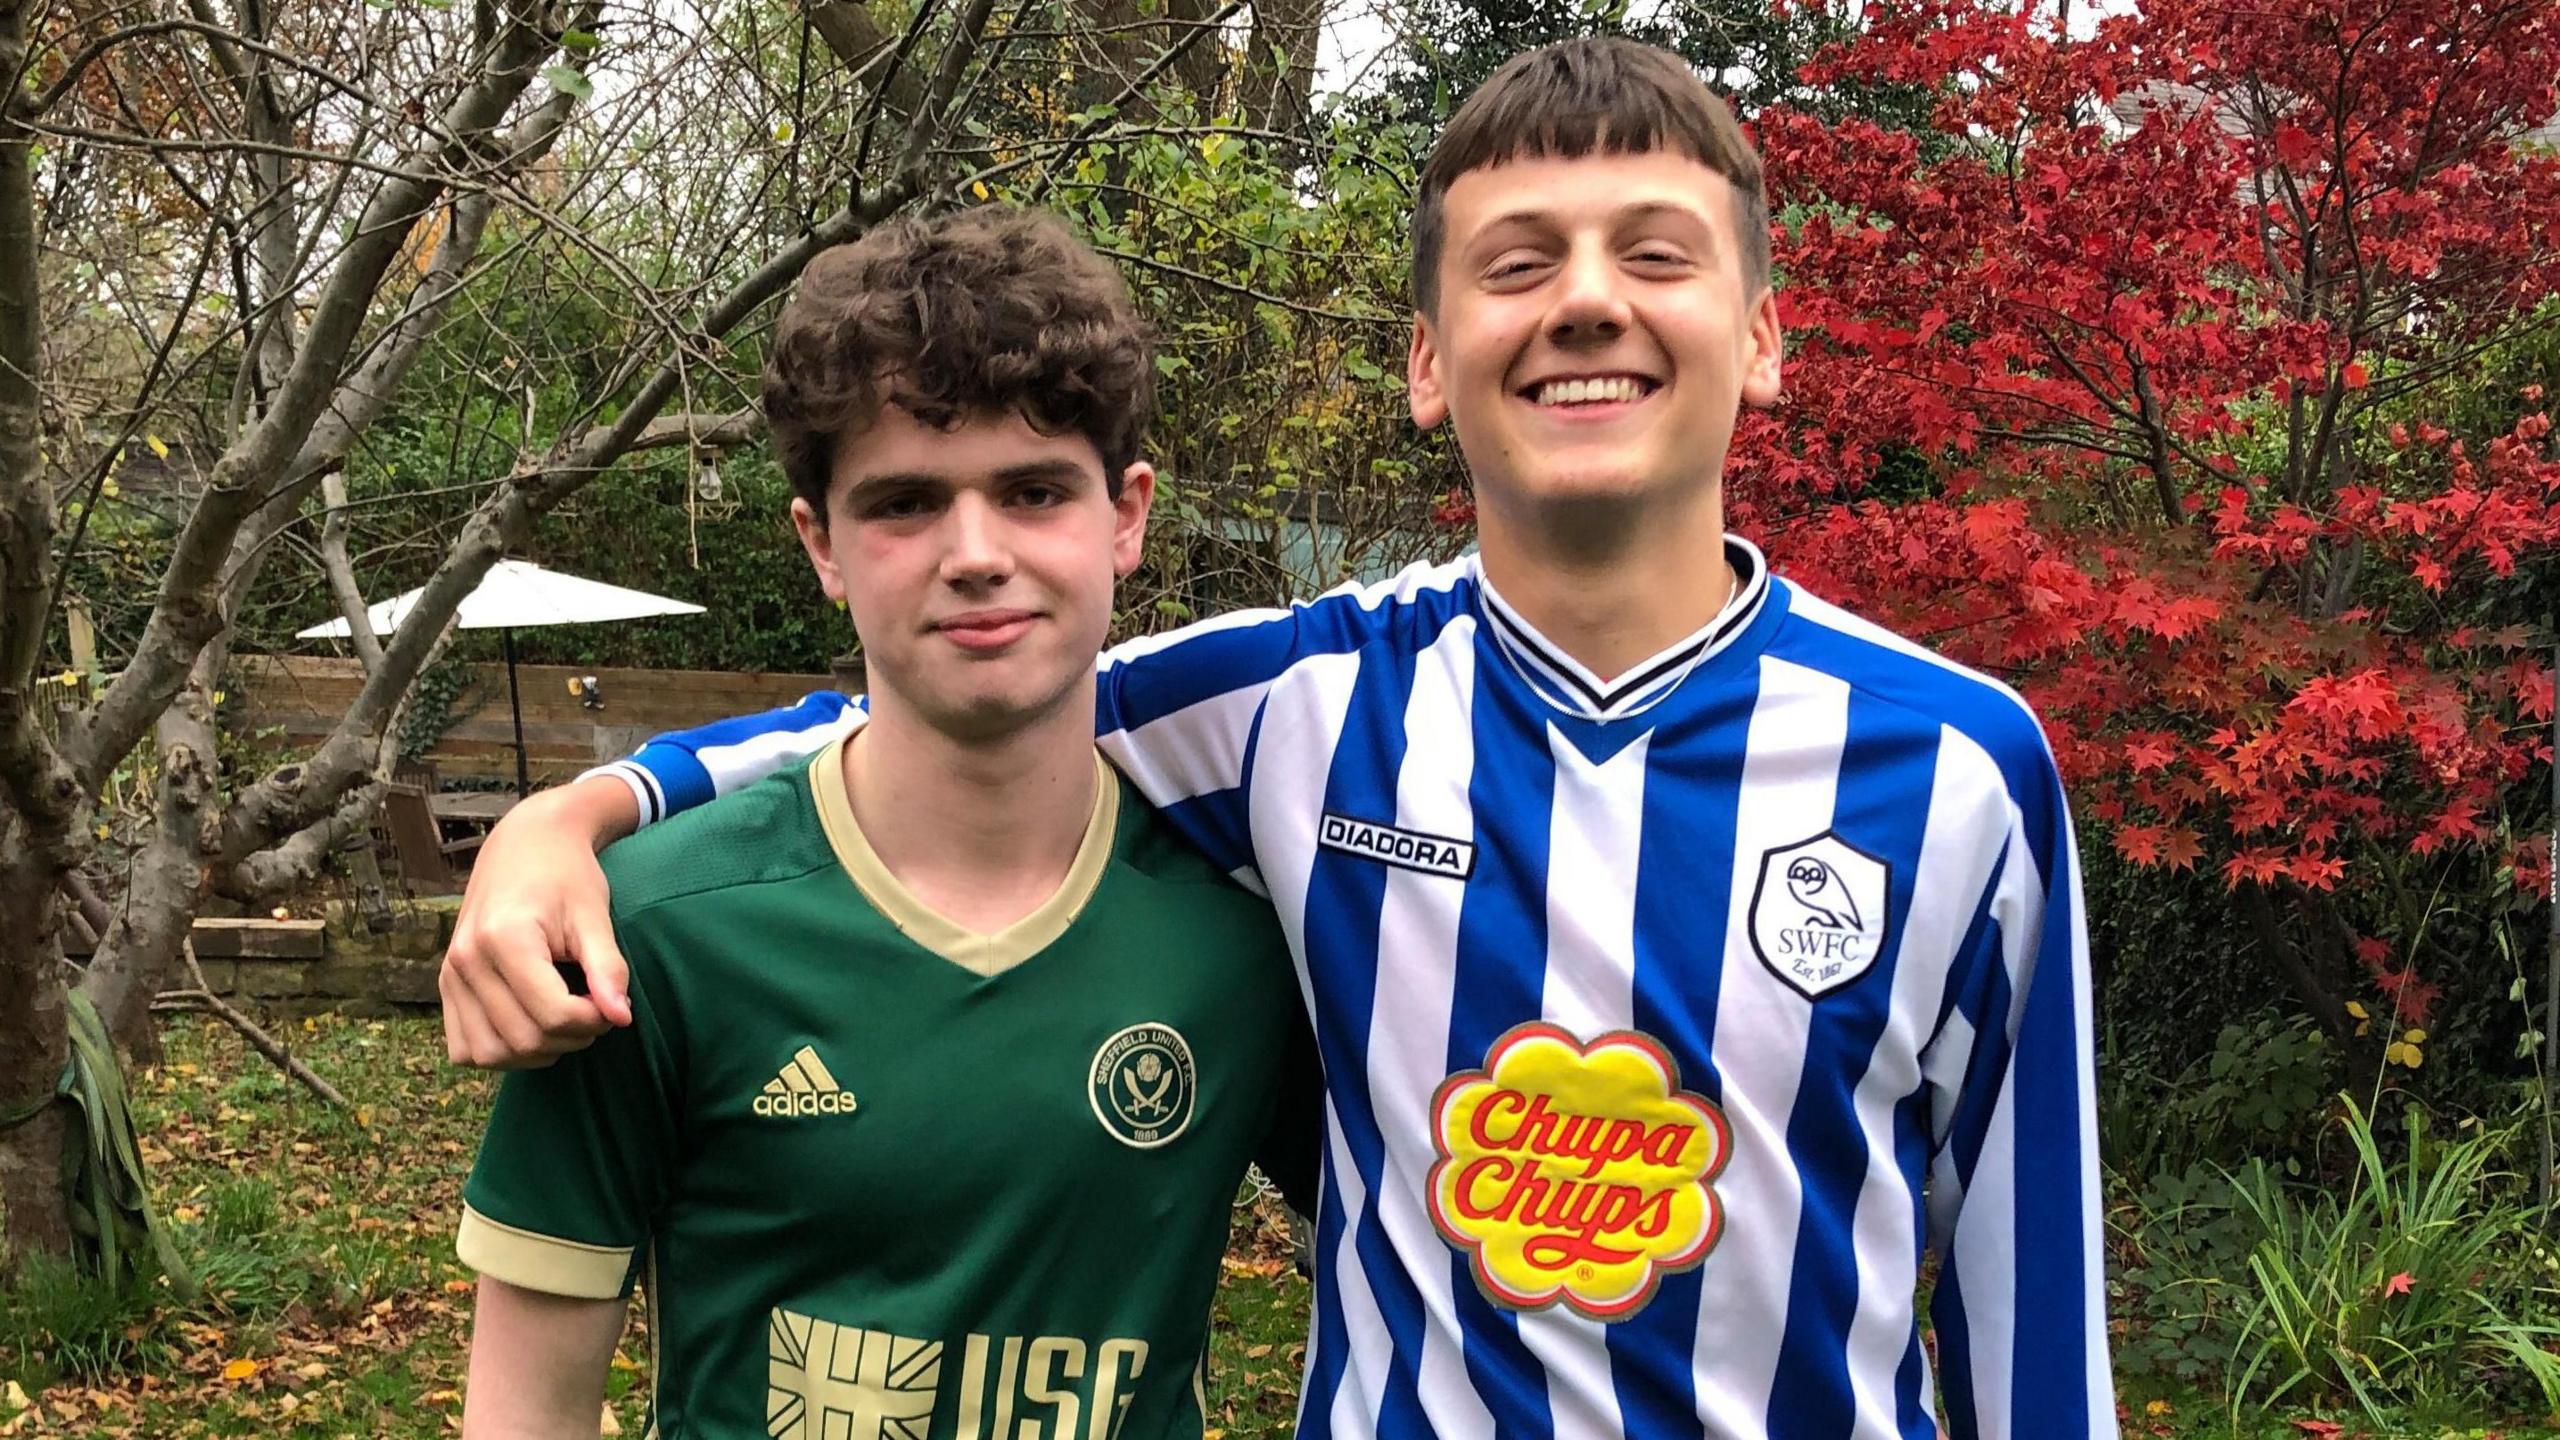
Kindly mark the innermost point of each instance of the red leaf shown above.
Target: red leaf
(2399, 1284)
(2149, 752)
(2181, 849)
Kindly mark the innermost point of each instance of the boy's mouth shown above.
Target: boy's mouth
(1583, 391)
(986, 629)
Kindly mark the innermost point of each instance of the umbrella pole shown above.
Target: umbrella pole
(515, 706)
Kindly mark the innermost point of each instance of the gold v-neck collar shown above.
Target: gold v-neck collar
(983, 955)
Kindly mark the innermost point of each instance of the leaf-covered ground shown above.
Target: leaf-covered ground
(334, 1306)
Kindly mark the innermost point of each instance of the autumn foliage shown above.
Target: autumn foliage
(2150, 375)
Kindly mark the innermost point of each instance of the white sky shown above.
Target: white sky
(1356, 33)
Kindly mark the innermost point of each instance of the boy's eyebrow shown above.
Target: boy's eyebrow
(897, 480)
(1641, 210)
(1053, 470)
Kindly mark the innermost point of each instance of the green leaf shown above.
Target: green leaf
(581, 41)
(570, 81)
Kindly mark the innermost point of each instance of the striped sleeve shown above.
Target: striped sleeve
(684, 768)
(2014, 1196)
(1176, 712)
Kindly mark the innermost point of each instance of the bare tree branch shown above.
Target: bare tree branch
(187, 614)
(341, 573)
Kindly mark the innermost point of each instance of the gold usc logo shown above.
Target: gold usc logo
(1576, 1174)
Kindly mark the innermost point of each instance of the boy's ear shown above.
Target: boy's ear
(812, 529)
(1763, 378)
(1423, 395)
(1129, 517)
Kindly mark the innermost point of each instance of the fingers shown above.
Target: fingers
(536, 897)
(608, 975)
(468, 1040)
(527, 1003)
(506, 1007)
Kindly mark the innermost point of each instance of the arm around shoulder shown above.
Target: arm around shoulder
(538, 1363)
(537, 901)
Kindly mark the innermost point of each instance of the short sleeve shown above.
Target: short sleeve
(576, 1161)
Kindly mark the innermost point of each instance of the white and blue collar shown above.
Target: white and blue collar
(1570, 686)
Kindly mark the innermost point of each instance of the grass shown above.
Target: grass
(333, 1305)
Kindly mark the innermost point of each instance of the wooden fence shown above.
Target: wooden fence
(305, 695)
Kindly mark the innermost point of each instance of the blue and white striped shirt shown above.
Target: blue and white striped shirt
(1667, 1024)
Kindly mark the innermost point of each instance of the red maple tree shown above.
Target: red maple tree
(2149, 377)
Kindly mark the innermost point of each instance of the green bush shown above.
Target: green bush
(2258, 1092)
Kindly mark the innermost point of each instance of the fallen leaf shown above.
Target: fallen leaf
(239, 1370)
(2400, 1284)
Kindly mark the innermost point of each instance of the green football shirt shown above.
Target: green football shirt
(890, 1179)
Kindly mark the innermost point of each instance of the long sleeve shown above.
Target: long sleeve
(2015, 1203)
(1177, 712)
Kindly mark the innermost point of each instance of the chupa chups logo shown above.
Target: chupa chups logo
(1576, 1174)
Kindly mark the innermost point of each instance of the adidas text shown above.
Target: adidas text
(834, 1102)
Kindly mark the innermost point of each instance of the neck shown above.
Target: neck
(1610, 585)
(983, 831)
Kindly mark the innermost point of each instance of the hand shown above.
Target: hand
(533, 917)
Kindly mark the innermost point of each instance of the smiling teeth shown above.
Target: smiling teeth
(1590, 392)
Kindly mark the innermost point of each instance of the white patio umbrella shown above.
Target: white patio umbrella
(513, 595)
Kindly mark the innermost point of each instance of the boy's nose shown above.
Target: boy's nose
(1590, 303)
(977, 554)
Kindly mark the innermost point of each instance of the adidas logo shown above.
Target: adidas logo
(804, 1088)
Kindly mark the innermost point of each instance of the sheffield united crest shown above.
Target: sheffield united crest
(1143, 1085)
(1818, 914)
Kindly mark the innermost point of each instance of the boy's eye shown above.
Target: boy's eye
(1039, 496)
(898, 507)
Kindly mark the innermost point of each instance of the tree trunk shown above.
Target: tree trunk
(140, 950)
(2275, 937)
(33, 1218)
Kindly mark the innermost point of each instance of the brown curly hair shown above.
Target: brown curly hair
(977, 312)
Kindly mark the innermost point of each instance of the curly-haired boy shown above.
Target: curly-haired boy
(946, 1055)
